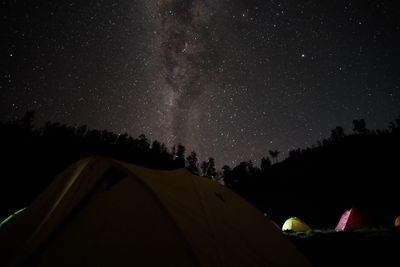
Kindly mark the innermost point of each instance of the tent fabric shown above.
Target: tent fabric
(276, 225)
(352, 219)
(296, 225)
(397, 221)
(103, 212)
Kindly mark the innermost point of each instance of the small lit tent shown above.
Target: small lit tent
(296, 225)
(352, 219)
(397, 221)
(102, 212)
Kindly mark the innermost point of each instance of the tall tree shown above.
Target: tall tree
(337, 133)
(226, 175)
(192, 163)
(156, 147)
(180, 156)
(122, 139)
(211, 171)
(143, 142)
(204, 168)
(81, 131)
(173, 153)
(360, 126)
(265, 164)
(274, 155)
(108, 137)
(208, 168)
(27, 121)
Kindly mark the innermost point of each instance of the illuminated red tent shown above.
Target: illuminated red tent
(397, 221)
(352, 219)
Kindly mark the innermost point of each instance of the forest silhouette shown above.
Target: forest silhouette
(359, 169)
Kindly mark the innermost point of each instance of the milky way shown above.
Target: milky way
(187, 57)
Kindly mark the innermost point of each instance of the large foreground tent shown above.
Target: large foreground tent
(352, 219)
(102, 212)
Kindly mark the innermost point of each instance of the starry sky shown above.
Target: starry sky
(230, 79)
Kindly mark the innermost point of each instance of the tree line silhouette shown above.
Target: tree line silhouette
(316, 183)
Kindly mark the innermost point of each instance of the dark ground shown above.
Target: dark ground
(369, 247)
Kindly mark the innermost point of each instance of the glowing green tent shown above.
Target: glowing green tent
(296, 225)
(9, 218)
(102, 212)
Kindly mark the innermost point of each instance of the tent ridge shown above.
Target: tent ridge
(216, 249)
(25, 252)
(165, 209)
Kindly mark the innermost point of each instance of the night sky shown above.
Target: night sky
(230, 79)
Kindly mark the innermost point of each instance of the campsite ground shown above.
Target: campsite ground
(370, 247)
